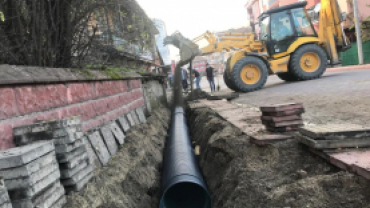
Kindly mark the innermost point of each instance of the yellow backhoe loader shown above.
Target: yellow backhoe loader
(287, 46)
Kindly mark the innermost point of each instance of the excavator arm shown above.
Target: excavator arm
(238, 41)
(331, 33)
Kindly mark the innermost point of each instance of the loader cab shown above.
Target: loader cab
(280, 27)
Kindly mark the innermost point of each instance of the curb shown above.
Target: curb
(349, 68)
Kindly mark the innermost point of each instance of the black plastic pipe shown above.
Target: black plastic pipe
(182, 182)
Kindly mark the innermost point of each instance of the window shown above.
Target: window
(281, 27)
(264, 24)
(302, 23)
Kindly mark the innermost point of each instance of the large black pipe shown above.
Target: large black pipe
(182, 182)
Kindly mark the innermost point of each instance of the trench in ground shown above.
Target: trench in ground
(283, 175)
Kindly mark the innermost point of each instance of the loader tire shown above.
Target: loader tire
(249, 74)
(287, 76)
(227, 78)
(228, 81)
(308, 62)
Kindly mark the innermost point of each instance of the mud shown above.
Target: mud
(196, 94)
(284, 175)
(132, 178)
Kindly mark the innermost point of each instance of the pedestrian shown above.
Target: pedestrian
(197, 78)
(210, 77)
(185, 78)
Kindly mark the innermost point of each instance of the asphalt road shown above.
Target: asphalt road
(337, 97)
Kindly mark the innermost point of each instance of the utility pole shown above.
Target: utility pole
(358, 33)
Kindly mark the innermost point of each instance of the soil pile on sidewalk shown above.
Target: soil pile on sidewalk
(196, 94)
(242, 175)
(132, 178)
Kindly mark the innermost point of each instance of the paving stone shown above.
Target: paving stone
(284, 113)
(109, 139)
(140, 113)
(69, 138)
(80, 185)
(60, 203)
(130, 119)
(282, 107)
(134, 116)
(49, 198)
(335, 131)
(93, 158)
(334, 144)
(269, 138)
(68, 173)
(29, 181)
(284, 129)
(281, 118)
(123, 124)
(30, 168)
(47, 125)
(117, 132)
(19, 194)
(282, 123)
(66, 148)
(77, 177)
(66, 157)
(20, 156)
(74, 162)
(99, 147)
(66, 131)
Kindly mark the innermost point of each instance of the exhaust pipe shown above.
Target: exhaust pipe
(182, 182)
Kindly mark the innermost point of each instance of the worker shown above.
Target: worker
(185, 77)
(197, 78)
(210, 77)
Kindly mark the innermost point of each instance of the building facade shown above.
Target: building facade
(162, 49)
(199, 64)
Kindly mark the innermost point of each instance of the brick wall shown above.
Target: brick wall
(97, 102)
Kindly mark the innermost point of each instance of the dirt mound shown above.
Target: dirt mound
(277, 176)
(131, 178)
(196, 94)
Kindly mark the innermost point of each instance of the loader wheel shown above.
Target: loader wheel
(249, 74)
(308, 62)
(287, 76)
(227, 78)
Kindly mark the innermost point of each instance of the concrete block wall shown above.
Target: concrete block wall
(96, 101)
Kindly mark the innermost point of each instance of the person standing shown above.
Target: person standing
(185, 77)
(197, 78)
(210, 77)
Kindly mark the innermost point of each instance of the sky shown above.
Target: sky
(194, 17)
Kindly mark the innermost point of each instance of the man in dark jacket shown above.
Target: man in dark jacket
(197, 78)
(210, 77)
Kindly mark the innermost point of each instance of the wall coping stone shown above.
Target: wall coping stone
(11, 74)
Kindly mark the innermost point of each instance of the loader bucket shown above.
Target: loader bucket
(188, 49)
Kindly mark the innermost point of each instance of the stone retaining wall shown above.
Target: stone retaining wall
(43, 94)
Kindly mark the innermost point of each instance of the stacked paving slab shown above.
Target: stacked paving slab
(76, 169)
(104, 143)
(282, 117)
(32, 176)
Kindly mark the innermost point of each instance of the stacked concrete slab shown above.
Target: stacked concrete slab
(75, 167)
(104, 143)
(282, 117)
(32, 176)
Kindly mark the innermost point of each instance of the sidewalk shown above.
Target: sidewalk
(348, 68)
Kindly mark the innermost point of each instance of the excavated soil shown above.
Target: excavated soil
(284, 175)
(132, 177)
